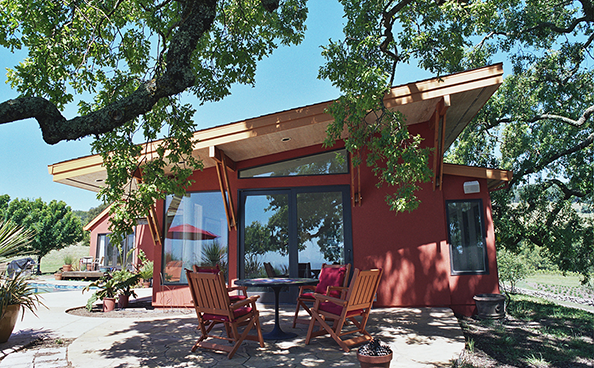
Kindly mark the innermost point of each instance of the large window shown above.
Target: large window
(113, 256)
(466, 233)
(195, 234)
(326, 163)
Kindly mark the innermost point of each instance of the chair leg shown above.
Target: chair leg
(316, 318)
(259, 329)
(241, 337)
(305, 307)
(296, 313)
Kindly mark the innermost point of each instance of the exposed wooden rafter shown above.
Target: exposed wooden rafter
(223, 163)
(438, 121)
(356, 197)
(151, 216)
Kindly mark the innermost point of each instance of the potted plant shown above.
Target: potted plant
(106, 291)
(125, 280)
(15, 294)
(68, 261)
(58, 275)
(146, 270)
(146, 273)
(374, 354)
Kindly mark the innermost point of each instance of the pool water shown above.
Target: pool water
(51, 288)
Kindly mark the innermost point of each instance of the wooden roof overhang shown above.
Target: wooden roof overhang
(496, 179)
(462, 95)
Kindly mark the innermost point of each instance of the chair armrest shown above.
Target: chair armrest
(326, 298)
(251, 299)
(342, 290)
(305, 287)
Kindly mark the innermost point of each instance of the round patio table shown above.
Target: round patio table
(276, 284)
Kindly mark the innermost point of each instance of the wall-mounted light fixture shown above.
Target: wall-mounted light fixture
(472, 187)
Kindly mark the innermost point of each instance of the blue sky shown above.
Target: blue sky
(287, 79)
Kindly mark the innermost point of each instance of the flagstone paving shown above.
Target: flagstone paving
(419, 337)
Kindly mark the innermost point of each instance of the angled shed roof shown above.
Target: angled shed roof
(467, 92)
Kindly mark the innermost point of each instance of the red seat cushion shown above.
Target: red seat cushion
(236, 298)
(307, 296)
(337, 309)
(331, 276)
(236, 314)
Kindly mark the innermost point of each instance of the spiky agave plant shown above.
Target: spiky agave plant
(15, 290)
(14, 240)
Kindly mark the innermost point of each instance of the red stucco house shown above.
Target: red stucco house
(270, 192)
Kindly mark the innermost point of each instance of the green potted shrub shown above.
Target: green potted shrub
(106, 292)
(15, 292)
(146, 270)
(125, 281)
(68, 261)
(146, 273)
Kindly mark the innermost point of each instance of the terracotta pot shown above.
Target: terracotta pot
(58, 276)
(123, 301)
(368, 361)
(146, 283)
(109, 304)
(7, 322)
(67, 268)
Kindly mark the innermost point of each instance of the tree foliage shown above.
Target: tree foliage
(53, 224)
(539, 123)
(135, 57)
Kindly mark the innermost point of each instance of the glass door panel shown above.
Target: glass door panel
(266, 234)
(320, 231)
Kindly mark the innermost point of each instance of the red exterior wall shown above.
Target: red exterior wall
(142, 238)
(464, 287)
(412, 247)
(101, 227)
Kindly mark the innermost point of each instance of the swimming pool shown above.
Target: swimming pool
(41, 288)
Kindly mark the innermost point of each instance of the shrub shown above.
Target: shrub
(511, 267)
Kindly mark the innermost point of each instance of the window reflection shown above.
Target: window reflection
(326, 163)
(466, 236)
(195, 234)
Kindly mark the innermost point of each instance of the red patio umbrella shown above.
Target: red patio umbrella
(189, 232)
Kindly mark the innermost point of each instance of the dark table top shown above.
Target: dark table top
(277, 281)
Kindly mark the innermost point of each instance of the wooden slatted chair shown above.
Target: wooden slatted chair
(355, 307)
(330, 275)
(270, 272)
(240, 291)
(212, 304)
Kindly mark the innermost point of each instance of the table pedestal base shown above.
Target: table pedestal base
(277, 333)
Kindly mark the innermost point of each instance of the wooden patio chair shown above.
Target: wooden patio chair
(330, 275)
(240, 291)
(212, 304)
(270, 272)
(355, 307)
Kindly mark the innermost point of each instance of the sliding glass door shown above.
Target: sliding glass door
(296, 230)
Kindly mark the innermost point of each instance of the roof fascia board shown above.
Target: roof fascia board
(97, 219)
(477, 172)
